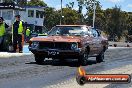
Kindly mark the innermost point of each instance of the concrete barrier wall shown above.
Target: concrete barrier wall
(120, 44)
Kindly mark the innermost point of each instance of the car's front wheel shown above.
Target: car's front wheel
(100, 57)
(39, 59)
(83, 59)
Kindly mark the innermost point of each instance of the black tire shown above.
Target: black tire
(39, 59)
(83, 59)
(100, 57)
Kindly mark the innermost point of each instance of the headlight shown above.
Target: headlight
(34, 44)
(74, 46)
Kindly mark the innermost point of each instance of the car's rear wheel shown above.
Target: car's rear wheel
(100, 57)
(83, 59)
(39, 59)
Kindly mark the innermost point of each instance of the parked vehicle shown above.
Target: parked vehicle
(69, 42)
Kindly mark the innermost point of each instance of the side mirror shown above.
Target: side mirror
(99, 33)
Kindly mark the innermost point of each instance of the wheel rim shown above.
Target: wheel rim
(85, 57)
(102, 56)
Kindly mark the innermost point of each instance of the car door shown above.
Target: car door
(95, 41)
(99, 40)
(90, 41)
(87, 39)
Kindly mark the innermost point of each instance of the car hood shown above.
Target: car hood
(57, 38)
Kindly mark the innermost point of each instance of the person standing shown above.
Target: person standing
(17, 30)
(3, 27)
(27, 34)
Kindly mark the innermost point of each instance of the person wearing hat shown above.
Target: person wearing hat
(17, 32)
(3, 27)
(27, 34)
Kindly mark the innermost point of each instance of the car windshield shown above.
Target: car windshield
(65, 31)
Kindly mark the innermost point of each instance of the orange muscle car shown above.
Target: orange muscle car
(69, 42)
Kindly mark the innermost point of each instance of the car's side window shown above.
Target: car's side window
(89, 33)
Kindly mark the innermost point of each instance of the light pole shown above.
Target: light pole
(61, 14)
(94, 14)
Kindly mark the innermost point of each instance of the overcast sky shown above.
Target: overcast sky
(126, 5)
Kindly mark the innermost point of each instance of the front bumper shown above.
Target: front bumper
(56, 53)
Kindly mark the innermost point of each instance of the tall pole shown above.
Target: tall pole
(61, 14)
(94, 14)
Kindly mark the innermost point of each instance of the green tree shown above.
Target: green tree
(129, 23)
(128, 33)
(52, 17)
(99, 19)
(70, 16)
(36, 3)
(70, 5)
(89, 5)
(8, 1)
(116, 22)
(22, 2)
(19, 2)
(80, 5)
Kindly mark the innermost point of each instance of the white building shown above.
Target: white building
(33, 15)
